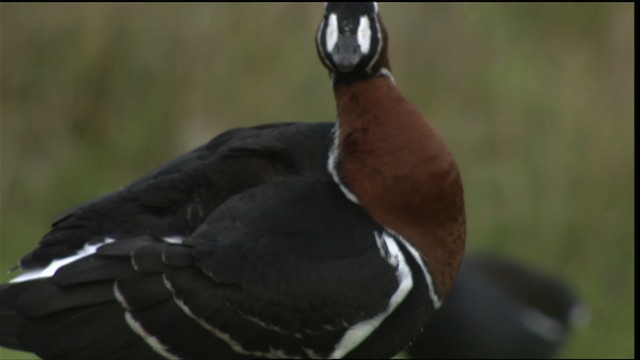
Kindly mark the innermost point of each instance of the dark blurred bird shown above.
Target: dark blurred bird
(498, 308)
(283, 240)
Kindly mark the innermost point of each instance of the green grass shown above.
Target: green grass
(535, 101)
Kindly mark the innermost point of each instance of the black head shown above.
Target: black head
(351, 40)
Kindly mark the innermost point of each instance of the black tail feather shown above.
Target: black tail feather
(10, 321)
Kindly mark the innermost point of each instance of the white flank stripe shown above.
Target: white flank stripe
(437, 302)
(579, 315)
(382, 246)
(236, 346)
(118, 295)
(58, 263)
(360, 331)
(153, 341)
(174, 239)
(543, 325)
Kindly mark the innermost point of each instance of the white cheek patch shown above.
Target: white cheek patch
(331, 36)
(364, 35)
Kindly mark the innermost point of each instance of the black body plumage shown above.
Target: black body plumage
(271, 246)
(501, 309)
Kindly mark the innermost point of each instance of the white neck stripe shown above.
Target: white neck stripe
(332, 165)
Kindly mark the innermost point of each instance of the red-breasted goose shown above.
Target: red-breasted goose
(283, 240)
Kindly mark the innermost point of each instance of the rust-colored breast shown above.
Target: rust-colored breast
(402, 173)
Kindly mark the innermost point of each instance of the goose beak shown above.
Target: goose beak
(346, 53)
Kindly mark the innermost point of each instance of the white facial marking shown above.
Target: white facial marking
(58, 263)
(377, 53)
(360, 331)
(331, 37)
(364, 35)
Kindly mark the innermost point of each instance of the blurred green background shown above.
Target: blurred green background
(535, 101)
